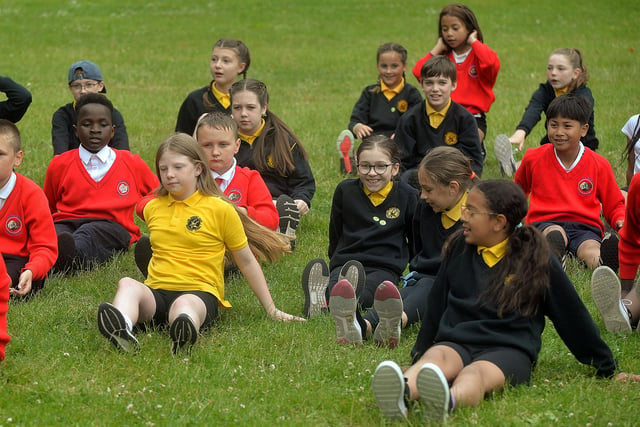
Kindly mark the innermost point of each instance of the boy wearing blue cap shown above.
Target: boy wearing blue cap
(84, 77)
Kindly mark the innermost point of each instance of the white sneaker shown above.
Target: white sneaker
(503, 150)
(605, 289)
(433, 389)
(388, 388)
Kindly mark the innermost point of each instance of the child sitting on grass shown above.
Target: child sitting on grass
(486, 312)
(5, 283)
(191, 224)
(28, 242)
(437, 122)
(569, 185)
(93, 190)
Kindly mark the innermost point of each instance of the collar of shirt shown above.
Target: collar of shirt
(491, 255)
(562, 91)
(437, 117)
(103, 155)
(575, 162)
(450, 217)
(388, 92)
(250, 138)
(223, 98)
(5, 191)
(462, 57)
(379, 196)
(226, 177)
(189, 201)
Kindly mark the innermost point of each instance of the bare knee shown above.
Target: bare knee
(589, 252)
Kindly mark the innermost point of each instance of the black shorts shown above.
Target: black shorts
(164, 299)
(481, 121)
(575, 231)
(514, 364)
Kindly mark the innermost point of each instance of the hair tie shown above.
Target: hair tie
(473, 175)
(519, 225)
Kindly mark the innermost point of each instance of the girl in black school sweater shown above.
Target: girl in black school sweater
(269, 146)
(486, 312)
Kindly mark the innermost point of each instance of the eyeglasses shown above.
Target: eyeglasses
(379, 168)
(86, 86)
(466, 213)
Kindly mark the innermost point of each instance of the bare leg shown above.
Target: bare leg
(447, 359)
(191, 305)
(589, 252)
(135, 300)
(475, 381)
(630, 295)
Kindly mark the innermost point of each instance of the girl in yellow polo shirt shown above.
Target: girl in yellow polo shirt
(191, 225)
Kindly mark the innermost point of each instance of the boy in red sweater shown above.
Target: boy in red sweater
(567, 185)
(28, 239)
(93, 190)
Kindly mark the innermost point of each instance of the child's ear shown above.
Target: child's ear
(500, 223)
(237, 148)
(584, 129)
(18, 159)
(454, 188)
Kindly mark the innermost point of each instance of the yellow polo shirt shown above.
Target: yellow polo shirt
(491, 255)
(189, 239)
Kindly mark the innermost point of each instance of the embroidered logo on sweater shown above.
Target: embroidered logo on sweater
(473, 71)
(585, 186)
(234, 195)
(403, 106)
(392, 213)
(123, 188)
(194, 223)
(13, 226)
(451, 138)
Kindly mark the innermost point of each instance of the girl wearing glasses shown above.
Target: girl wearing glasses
(370, 229)
(84, 77)
(486, 312)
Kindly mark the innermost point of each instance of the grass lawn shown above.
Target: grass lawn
(315, 58)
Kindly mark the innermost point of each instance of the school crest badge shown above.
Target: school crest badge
(13, 225)
(392, 213)
(402, 106)
(194, 223)
(235, 195)
(451, 138)
(473, 71)
(122, 188)
(585, 186)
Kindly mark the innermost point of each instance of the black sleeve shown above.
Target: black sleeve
(301, 181)
(469, 142)
(60, 134)
(18, 100)
(532, 114)
(574, 324)
(360, 112)
(335, 220)
(405, 137)
(187, 115)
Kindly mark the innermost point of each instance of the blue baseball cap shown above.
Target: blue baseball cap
(84, 70)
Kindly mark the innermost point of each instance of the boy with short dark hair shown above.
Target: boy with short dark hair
(437, 122)
(84, 77)
(93, 190)
(28, 238)
(568, 186)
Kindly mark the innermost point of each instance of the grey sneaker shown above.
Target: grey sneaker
(183, 333)
(315, 279)
(504, 154)
(289, 217)
(342, 306)
(353, 271)
(388, 387)
(433, 389)
(388, 304)
(112, 326)
(605, 289)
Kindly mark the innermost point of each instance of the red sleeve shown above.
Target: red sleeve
(522, 176)
(42, 242)
(5, 283)
(609, 194)
(418, 67)
(629, 247)
(488, 62)
(260, 205)
(51, 183)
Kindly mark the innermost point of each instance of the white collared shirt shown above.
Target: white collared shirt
(97, 164)
(5, 191)
(226, 177)
(575, 162)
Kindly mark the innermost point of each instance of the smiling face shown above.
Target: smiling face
(178, 174)
(454, 33)
(94, 126)
(225, 67)
(220, 145)
(437, 90)
(560, 72)
(391, 68)
(247, 111)
(440, 197)
(373, 180)
(481, 226)
(565, 134)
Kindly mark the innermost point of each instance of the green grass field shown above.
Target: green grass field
(315, 58)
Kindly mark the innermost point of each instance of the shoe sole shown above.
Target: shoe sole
(433, 389)
(353, 271)
(504, 154)
(343, 309)
(112, 326)
(288, 214)
(345, 148)
(389, 329)
(315, 279)
(388, 389)
(605, 290)
(183, 333)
